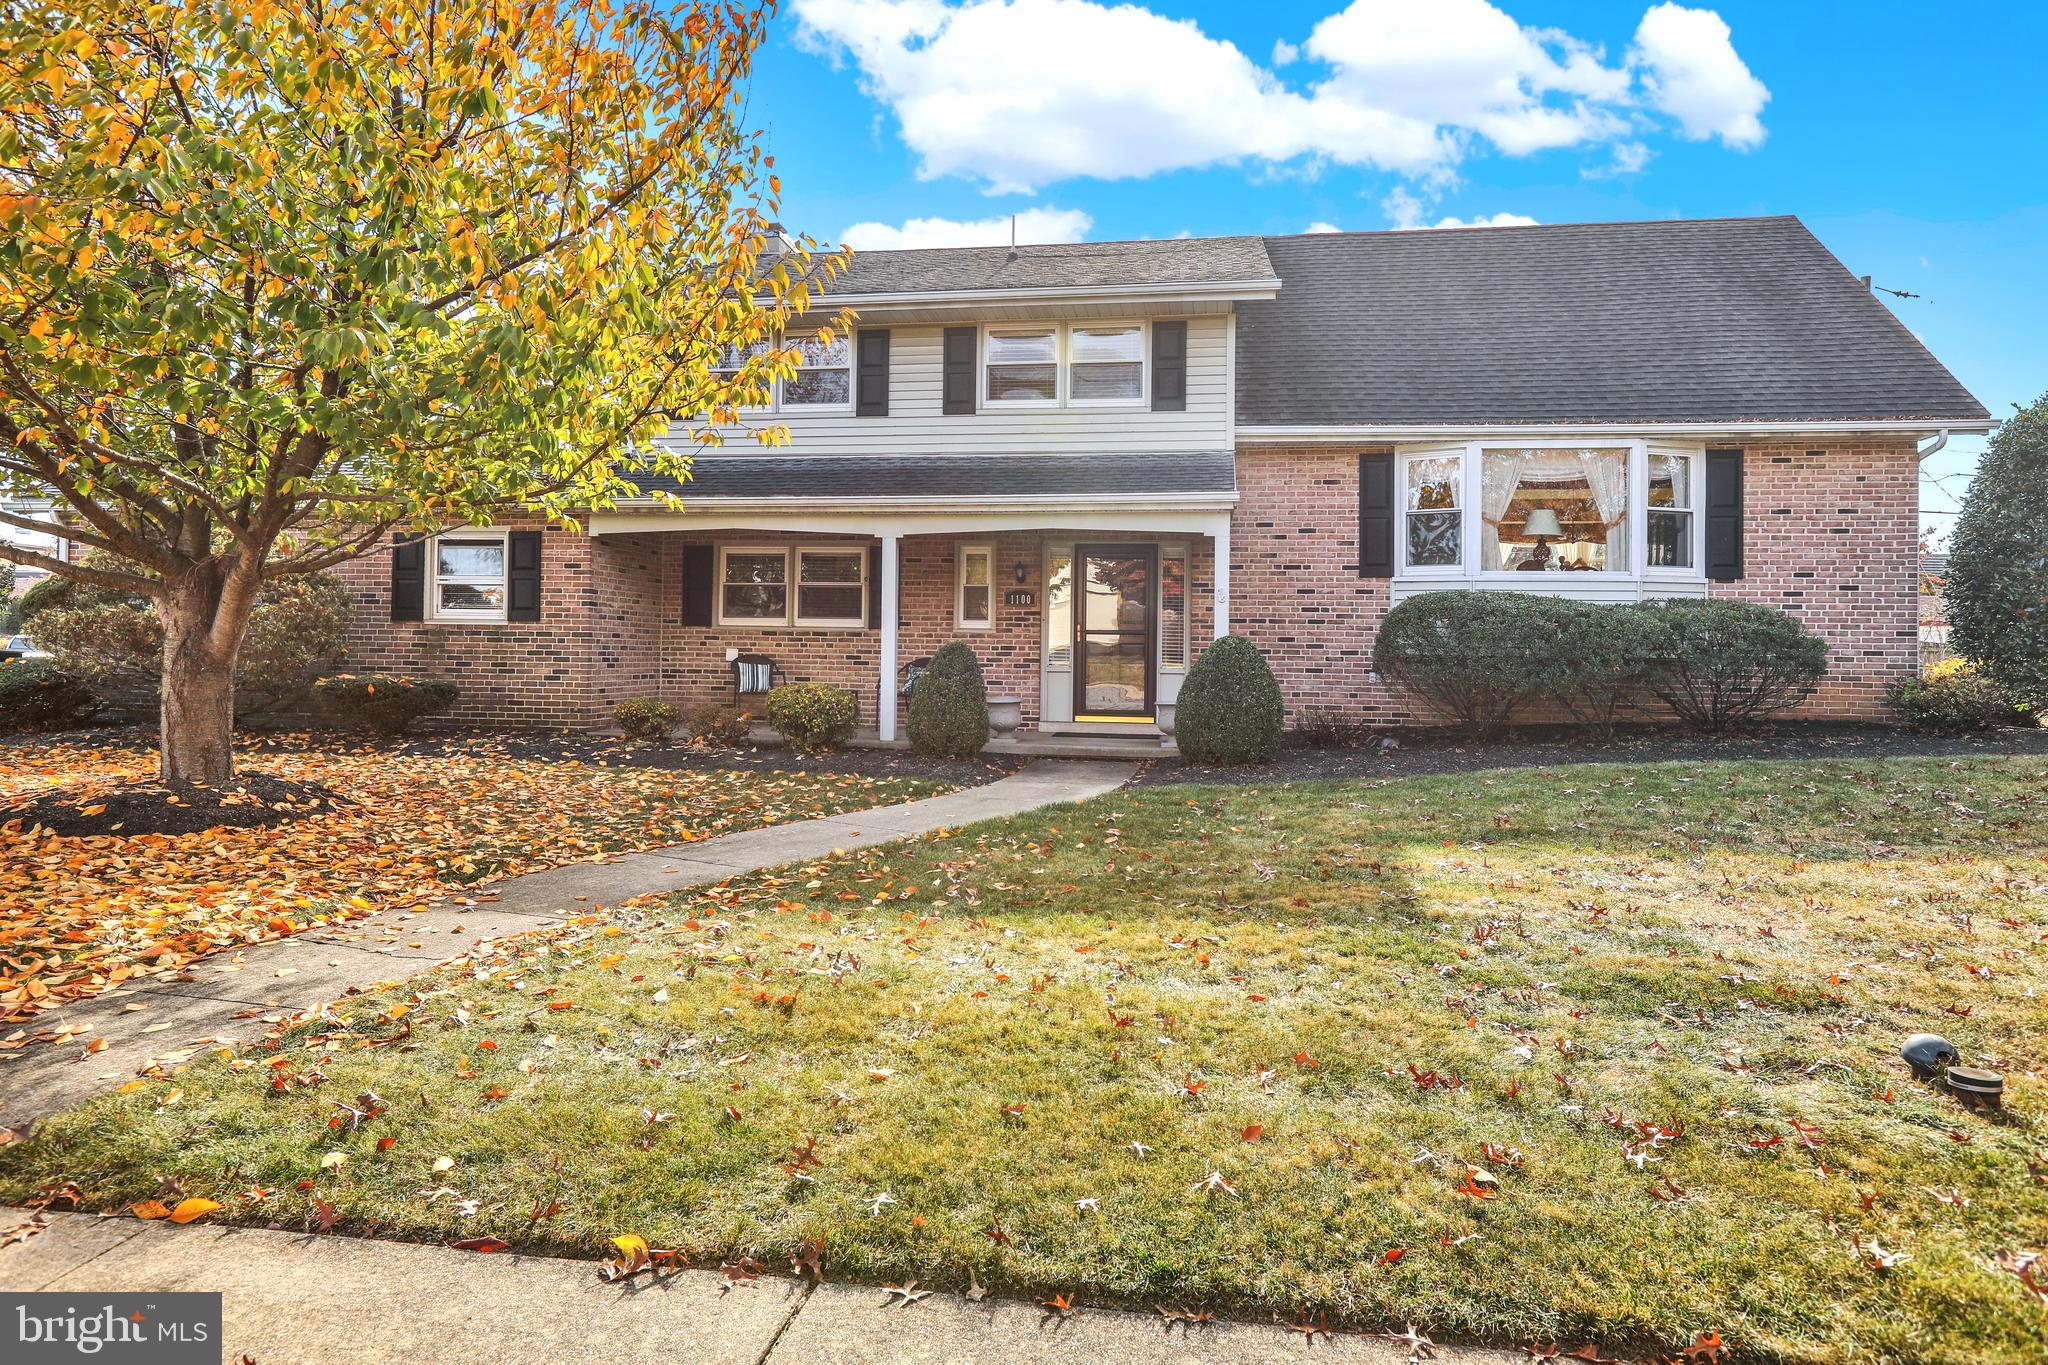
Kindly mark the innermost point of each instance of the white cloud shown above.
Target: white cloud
(1405, 211)
(1320, 226)
(1690, 71)
(1019, 93)
(1033, 225)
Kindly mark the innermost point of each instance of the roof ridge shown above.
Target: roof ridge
(1426, 233)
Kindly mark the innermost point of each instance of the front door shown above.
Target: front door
(1113, 632)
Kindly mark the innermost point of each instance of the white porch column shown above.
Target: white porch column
(886, 711)
(1220, 533)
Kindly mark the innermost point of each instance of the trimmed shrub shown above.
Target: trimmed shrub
(646, 719)
(40, 694)
(56, 591)
(716, 722)
(1605, 654)
(1953, 699)
(1721, 663)
(1229, 709)
(813, 717)
(374, 701)
(1477, 656)
(949, 706)
(1998, 562)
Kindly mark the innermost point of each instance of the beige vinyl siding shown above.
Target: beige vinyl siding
(916, 426)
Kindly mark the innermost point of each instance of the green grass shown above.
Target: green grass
(1717, 949)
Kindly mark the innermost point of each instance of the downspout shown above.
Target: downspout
(1940, 440)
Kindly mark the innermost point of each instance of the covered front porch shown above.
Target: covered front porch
(1088, 616)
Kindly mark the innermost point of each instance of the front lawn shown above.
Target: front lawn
(82, 913)
(1602, 1053)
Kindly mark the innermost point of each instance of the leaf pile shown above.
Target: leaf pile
(79, 915)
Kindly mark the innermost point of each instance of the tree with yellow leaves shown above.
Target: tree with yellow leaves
(279, 275)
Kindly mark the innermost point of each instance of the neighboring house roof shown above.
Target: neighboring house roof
(1720, 320)
(1178, 262)
(718, 475)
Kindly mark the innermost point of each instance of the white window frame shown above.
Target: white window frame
(961, 620)
(434, 610)
(795, 572)
(725, 552)
(1062, 353)
(1466, 520)
(1144, 330)
(1176, 551)
(782, 402)
(1471, 572)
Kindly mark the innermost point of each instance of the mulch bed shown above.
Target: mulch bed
(1421, 752)
(249, 801)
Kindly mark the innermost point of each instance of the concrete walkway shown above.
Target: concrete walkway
(231, 997)
(293, 1299)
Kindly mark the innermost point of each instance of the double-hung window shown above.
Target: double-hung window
(823, 381)
(468, 576)
(975, 607)
(1670, 511)
(830, 581)
(1021, 367)
(1044, 365)
(1432, 531)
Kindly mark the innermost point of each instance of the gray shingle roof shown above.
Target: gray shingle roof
(717, 474)
(1719, 320)
(1181, 261)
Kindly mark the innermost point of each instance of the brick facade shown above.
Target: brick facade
(1829, 535)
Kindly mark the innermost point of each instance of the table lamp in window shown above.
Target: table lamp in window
(1542, 524)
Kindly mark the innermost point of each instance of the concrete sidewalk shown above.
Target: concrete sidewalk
(293, 1299)
(232, 997)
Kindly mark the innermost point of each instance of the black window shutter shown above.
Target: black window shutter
(522, 576)
(874, 587)
(871, 360)
(1724, 515)
(1169, 367)
(958, 371)
(408, 577)
(698, 584)
(1376, 516)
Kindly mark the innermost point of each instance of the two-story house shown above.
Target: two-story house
(1089, 460)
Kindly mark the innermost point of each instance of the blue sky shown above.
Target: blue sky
(1901, 133)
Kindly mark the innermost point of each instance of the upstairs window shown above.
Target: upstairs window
(826, 377)
(1106, 364)
(1021, 366)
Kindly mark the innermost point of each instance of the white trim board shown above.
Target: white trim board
(1612, 431)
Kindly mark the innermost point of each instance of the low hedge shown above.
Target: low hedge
(812, 716)
(38, 694)
(376, 701)
(716, 722)
(645, 719)
(1487, 657)
(948, 715)
(1229, 709)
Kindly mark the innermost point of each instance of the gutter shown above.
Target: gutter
(1247, 434)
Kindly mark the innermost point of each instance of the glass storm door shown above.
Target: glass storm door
(1113, 645)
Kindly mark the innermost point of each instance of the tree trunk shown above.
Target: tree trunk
(197, 742)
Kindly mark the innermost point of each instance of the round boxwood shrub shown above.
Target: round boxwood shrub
(645, 719)
(1477, 656)
(1229, 708)
(949, 706)
(1954, 698)
(39, 694)
(1721, 663)
(375, 701)
(1997, 587)
(812, 716)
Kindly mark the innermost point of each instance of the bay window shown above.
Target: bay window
(1616, 508)
(469, 577)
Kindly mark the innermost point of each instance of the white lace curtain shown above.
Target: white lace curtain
(1606, 474)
